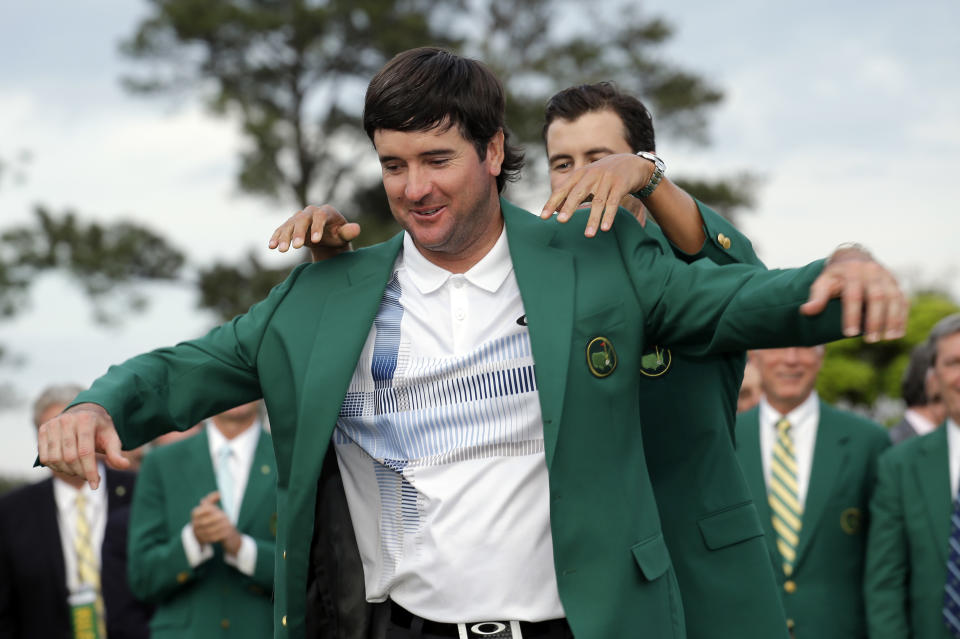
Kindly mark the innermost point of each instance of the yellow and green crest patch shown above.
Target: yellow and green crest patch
(656, 362)
(601, 357)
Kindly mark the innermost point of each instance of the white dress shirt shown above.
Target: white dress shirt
(65, 497)
(920, 424)
(804, 421)
(244, 447)
(440, 445)
(953, 455)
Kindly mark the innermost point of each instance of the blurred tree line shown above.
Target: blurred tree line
(291, 75)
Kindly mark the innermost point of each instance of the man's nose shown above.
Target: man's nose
(419, 185)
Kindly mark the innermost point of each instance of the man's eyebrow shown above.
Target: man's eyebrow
(426, 154)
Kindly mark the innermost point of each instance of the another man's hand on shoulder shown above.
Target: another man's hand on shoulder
(321, 228)
(604, 183)
(873, 302)
(69, 443)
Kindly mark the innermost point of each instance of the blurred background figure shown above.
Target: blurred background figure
(812, 469)
(912, 581)
(925, 408)
(203, 529)
(750, 391)
(60, 540)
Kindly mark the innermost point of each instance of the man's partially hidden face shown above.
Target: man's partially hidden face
(946, 371)
(788, 375)
(573, 144)
(442, 193)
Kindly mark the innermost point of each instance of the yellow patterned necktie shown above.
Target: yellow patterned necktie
(88, 568)
(784, 497)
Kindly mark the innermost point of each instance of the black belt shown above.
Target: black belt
(404, 618)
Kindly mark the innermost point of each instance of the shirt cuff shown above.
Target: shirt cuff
(246, 558)
(196, 552)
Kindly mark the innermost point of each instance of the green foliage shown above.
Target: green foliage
(858, 373)
(229, 290)
(105, 260)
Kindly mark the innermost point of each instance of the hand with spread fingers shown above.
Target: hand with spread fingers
(321, 228)
(873, 302)
(69, 443)
(603, 183)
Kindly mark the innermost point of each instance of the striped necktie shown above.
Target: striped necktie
(88, 568)
(784, 496)
(951, 591)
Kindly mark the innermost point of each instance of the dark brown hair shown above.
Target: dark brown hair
(572, 103)
(424, 88)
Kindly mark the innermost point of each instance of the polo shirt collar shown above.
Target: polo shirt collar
(488, 274)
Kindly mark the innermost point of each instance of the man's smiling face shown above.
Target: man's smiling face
(442, 193)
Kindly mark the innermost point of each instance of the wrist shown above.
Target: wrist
(233, 542)
(659, 169)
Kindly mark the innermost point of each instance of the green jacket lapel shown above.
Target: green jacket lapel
(829, 459)
(931, 469)
(751, 460)
(545, 276)
(260, 483)
(346, 308)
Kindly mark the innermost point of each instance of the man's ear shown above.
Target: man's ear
(495, 152)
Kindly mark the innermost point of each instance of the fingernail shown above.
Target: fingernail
(590, 232)
(873, 337)
(283, 246)
(851, 331)
(297, 242)
(315, 237)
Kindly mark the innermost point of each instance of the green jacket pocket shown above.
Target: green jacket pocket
(731, 526)
(652, 556)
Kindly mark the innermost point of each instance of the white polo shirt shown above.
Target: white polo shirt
(440, 444)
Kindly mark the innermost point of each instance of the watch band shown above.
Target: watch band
(659, 168)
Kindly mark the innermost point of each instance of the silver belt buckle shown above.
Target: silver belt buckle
(490, 630)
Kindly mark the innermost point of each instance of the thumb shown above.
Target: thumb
(823, 288)
(111, 447)
(211, 498)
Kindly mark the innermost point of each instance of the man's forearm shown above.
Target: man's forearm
(677, 215)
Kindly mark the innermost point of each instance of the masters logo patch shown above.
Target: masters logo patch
(850, 521)
(601, 358)
(656, 362)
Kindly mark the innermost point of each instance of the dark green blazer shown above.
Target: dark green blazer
(907, 548)
(204, 601)
(709, 520)
(299, 347)
(824, 596)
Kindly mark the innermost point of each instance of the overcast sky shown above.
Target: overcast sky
(849, 111)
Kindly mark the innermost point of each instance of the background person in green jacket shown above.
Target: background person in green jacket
(811, 468)
(202, 531)
(913, 552)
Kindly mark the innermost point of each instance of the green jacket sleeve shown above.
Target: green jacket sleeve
(157, 392)
(724, 244)
(885, 583)
(156, 563)
(263, 573)
(703, 309)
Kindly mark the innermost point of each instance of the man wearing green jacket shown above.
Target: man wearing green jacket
(913, 551)
(486, 495)
(201, 542)
(811, 468)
